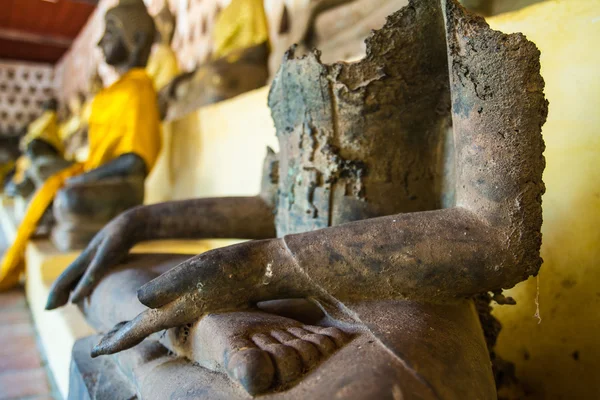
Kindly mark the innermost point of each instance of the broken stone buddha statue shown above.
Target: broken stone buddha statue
(239, 62)
(406, 184)
(124, 141)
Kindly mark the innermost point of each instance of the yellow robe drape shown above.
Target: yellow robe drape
(124, 120)
(162, 65)
(241, 25)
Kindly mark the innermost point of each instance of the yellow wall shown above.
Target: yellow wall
(559, 357)
(219, 150)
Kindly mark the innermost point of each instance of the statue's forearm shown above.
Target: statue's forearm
(430, 255)
(228, 217)
(129, 164)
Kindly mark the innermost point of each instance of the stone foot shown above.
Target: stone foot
(260, 351)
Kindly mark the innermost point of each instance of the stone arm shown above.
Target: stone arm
(234, 217)
(129, 164)
(428, 256)
(228, 217)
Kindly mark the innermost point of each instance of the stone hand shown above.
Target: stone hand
(109, 247)
(229, 278)
(232, 217)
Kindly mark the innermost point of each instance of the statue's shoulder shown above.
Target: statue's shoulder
(134, 84)
(136, 79)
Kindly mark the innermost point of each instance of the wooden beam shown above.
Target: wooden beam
(47, 40)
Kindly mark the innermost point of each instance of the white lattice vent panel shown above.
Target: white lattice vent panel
(23, 89)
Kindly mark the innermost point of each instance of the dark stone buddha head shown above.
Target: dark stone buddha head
(128, 36)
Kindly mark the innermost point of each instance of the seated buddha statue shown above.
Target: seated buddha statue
(74, 126)
(124, 141)
(239, 62)
(42, 153)
(406, 184)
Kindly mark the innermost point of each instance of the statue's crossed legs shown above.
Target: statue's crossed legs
(403, 349)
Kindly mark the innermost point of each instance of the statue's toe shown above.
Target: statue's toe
(338, 336)
(309, 354)
(252, 368)
(288, 363)
(323, 342)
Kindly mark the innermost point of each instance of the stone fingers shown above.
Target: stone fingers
(61, 288)
(172, 284)
(130, 333)
(230, 276)
(109, 253)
